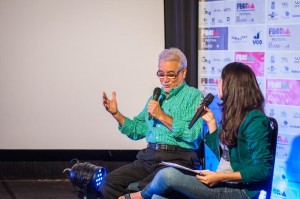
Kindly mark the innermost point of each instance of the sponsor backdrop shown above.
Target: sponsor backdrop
(265, 35)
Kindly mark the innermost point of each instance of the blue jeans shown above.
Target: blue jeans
(170, 180)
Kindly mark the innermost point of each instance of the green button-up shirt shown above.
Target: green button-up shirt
(181, 105)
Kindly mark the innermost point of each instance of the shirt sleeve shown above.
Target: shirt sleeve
(137, 127)
(212, 141)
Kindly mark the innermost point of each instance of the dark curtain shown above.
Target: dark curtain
(181, 31)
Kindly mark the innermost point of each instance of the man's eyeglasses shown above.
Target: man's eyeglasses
(170, 75)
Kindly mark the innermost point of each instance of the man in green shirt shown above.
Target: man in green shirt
(166, 129)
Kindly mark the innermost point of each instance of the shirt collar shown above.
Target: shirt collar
(174, 91)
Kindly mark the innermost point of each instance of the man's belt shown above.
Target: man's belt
(167, 147)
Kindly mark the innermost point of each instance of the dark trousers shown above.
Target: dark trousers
(143, 170)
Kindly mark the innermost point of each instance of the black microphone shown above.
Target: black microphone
(156, 94)
(206, 101)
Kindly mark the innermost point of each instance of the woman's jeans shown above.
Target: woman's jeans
(170, 180)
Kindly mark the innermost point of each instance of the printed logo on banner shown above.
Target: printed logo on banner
(219, 20)
(273, 5)
(297, 4)
(209, 89)
(272, 112)
(284, 4)
(296, 64)
(297, 60)
(253, 59)
(284, 59)
(239, 38)
(296, 115)
(245, 7)
(213, 38)
(286, 15)
(295, 126)
(256, 39)
(279, 32)
(280, 166)
(285, 64)
(227, 9)
(283, 114)
(285, 11)
(272, 16)
(281, 152)
(282, 92)
(278, 191)
(272, 69)
(279, 38)
(283, 140)
(204, 65)
(209, 81)
(283, 124)
(246, 12)
(209, 85)
(206, 12)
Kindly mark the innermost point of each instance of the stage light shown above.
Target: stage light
(86, 175)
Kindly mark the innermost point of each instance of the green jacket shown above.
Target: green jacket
(252, 155)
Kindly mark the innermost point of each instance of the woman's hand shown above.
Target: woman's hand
(209, 178)
(209, 117)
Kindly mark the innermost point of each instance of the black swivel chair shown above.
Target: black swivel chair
(274, 127)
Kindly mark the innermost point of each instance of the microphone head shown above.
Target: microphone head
(157, 91)
(208, 99)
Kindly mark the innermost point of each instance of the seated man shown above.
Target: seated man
(163, 122)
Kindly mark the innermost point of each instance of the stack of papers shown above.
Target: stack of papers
(170, 164)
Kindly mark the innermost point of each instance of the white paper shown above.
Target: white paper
(170, 164)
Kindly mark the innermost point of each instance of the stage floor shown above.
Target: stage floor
(40, 189)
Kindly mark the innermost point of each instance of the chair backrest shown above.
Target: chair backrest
(201, 154)
(274, 129)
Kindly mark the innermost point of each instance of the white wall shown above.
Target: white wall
(56, 58)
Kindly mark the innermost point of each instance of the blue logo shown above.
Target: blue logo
(257, 40)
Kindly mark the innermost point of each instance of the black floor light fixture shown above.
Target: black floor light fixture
(86, 176)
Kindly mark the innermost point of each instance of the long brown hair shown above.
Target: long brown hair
(240, 94)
